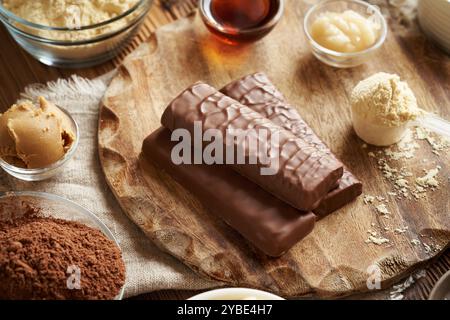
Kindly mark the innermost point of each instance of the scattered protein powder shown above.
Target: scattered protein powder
(382, 209)
(412, 180)
(369, 199)
(405, 184)
(377, 240)
(437, 144)
(401, 230)
(398, 291)
(429, 180)
(47, 258)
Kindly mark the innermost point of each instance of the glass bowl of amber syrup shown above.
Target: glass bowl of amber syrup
(240, 22)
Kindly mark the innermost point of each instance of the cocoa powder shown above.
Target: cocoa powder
(47, 258)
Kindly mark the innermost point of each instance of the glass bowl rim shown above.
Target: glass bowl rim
(57, 164)
(219, 292)
(9, 14)
(80, 209)
(438, 285)
(145, 4)
(271, 23)
(70, 43)
(375, 46)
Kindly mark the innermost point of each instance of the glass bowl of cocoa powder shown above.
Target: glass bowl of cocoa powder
(53, 249)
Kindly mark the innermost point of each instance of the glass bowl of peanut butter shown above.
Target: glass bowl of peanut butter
(37, 140)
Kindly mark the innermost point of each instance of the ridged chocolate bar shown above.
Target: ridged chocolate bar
(304, 173)
(348, 190)
(269, 223)
(258, 93)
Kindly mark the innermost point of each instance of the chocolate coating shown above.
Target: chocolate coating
(258, 93)
(305, 173)
(348, 190)
(269, 223)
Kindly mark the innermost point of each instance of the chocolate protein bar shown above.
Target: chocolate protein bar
(270, 224)
(348, 190)
(302, 174)
(258, 93)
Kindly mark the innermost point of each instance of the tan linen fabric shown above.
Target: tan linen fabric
(82, 181)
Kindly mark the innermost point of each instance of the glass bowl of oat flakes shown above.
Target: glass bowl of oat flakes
(73, 33)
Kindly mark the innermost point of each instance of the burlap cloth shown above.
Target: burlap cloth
(148, 269)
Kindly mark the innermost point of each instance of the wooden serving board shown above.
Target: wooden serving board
(333, 261)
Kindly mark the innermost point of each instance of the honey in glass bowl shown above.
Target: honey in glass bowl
(237, 21)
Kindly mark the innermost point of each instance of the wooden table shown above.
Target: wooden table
(18, 69)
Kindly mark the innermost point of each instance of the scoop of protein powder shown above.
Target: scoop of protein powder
(383, 107)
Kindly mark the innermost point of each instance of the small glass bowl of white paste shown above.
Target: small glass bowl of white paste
(369, 14)
(77, 46)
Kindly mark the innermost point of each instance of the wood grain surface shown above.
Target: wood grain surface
(18, 69)
(333, 260)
